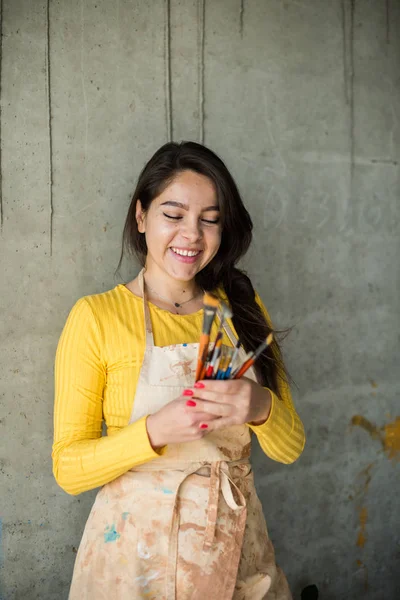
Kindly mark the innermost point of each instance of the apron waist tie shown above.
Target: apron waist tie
(219, 480)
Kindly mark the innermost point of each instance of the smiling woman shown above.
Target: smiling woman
(178, 515)
(183, 233)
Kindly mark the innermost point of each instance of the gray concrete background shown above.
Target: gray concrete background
(302, 100)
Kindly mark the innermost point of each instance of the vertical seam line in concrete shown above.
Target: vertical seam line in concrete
(201, 35)
(167, 59)
(241, 17)
(345, 68)
(82, 72)
(1, 115)
(50, 132)
(1, 521)
(388, 21)
(351, 91)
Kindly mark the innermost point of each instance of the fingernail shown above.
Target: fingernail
(199, 385)
(188, 393)
(190, 403)
(203, 426)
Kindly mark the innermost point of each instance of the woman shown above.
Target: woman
(178, 515)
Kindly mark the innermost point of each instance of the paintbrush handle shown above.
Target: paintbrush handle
(252, 358)
(202, 373)
(209, 371)
(216, 343)
(260, 350)
(245, 367)
(233, 357)
(203, 349)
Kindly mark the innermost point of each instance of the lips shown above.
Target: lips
(183, 252)
(184, 255)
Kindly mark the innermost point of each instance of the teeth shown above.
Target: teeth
(186, 252)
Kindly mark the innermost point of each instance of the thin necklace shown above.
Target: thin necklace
(176, 304)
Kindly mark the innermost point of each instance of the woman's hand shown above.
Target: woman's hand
(233, 402)
(176, 423)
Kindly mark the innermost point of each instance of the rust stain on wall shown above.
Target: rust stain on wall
(391, 439)
(388, 435)
(366, 477)
(367, 425)
(361, 565)
(363, 516)
(361, 492)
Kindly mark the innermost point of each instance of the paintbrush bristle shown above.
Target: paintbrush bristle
(209, 300)
(270, 338)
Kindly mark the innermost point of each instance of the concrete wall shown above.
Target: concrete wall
(302, 100)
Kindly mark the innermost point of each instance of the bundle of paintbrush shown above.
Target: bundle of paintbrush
(217, 361)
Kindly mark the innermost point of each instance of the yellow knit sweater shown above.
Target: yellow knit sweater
(98, 360)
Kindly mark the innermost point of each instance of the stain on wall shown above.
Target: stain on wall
(388, 435)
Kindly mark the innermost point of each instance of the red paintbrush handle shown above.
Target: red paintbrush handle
(209, 371)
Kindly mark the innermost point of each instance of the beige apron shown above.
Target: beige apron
(187, 525)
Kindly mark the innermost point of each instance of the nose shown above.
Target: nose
(192, 230)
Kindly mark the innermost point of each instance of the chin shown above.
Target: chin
(184, 273)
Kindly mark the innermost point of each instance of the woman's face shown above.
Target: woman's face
(182, 227)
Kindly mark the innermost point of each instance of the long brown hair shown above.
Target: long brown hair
(248, 319)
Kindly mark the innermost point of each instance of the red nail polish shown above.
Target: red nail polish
(199, 385)
(190, 403)
(203, 426)
(188, 393)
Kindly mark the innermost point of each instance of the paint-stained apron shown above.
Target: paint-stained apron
(187, 525)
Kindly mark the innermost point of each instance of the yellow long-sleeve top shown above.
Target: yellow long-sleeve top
(97, 367)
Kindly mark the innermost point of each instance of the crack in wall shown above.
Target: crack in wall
(388, 21)
(201, 7)
(345, 58)
(167, 59)
(49, 125)
(348, 10)
(351, 87)
(1, 70)
(82, 71)
(384, 161)
(241, 17)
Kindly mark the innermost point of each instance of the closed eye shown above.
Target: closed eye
(171, 217)
(208, 221)
(211, 222)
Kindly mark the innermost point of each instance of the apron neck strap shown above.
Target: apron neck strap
(146, 312)
(147, 318)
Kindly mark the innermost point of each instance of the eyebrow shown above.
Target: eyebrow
(185, 206)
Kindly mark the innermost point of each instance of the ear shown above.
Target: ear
(140, 217)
